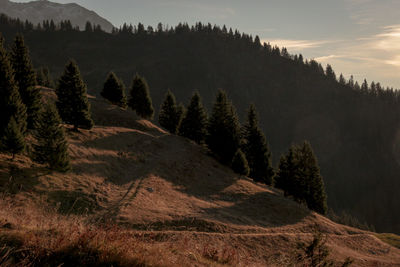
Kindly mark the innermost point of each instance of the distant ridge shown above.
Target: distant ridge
(37, 11)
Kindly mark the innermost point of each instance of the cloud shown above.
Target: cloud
(375, 57)
(297, 45)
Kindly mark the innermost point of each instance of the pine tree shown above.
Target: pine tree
(72, 103)
(194, 122)
(169, 117)
(240, 164)
(256, 150)
(13, 141)
(51, 146)
(224, 136)
(315, 195)
(140, 100)
(25, 76)
(114, 90)
(330, 73)
(299, 176)
(10, 100)
(286, 175)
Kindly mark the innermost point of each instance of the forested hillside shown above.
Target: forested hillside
(354, 129)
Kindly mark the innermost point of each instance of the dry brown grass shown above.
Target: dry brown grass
(139, 197)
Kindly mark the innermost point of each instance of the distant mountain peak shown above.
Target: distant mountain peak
(37, 11)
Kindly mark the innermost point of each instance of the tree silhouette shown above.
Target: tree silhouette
(72, 103)
(140, 100)
(239, 163)
(25, 77)
(114, 90)
(194, 122)
(256, 150)
(51, 145)
(12, 141)
(11, 105)
(169, 117)
(223, 129)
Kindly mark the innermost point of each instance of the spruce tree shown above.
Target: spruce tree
(51, 146)
(72, 103)
(13, 140)
(11, 104)
(194, 122)
(140, 100)
(287, 176)
(25, 77)
(256, 150)
(114, 90)
(240, 164)
(169, 117)
(224, 136)
(299, 176)
(314, 194)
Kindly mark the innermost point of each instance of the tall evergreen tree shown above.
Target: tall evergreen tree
(114, 90)
(51, 146)
(315, 195)
(25, 77)
(224, 136)
(299, 176)
(240, 164)
(256, 149)
(13, 140)
(330, 73)
(11, 104)
(169, 117)
(72, 103)
(194, 122)
(140, 100)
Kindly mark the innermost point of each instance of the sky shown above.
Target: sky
(357, 37)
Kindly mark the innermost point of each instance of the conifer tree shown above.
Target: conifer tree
(11, 104)
(194, 122)
(299, 176)
(169, 117)
(114, 90)
(256, 150)
(25, 77)
(330, 73)
(13, 140)
(239, 163)
(315, 195)
(51, 146)
(72, 103)
(223, 129)
(140, 100)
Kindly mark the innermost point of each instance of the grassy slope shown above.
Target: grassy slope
(139, 196)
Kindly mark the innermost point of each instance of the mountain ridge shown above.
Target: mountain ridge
(38, 11)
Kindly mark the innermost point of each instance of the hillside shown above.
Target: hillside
(38, 11)
(355, 133)
(166, 200)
